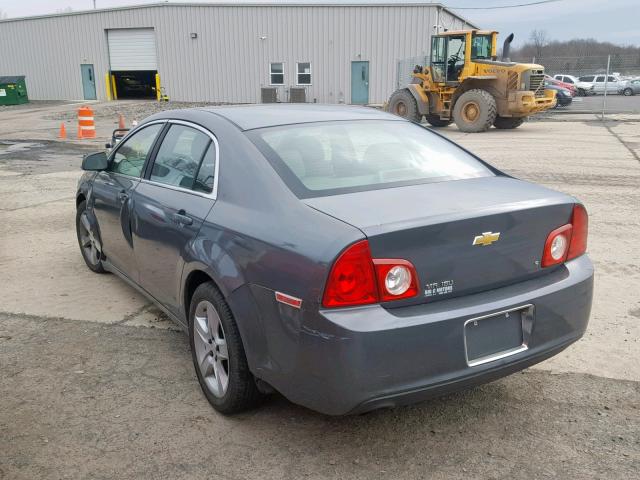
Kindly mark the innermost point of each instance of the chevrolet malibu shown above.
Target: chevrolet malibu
(342, 256)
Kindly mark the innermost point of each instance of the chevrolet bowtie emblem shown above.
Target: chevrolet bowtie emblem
(487, 238)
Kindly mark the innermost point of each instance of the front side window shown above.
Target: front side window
(328, 158)
(481, 47)
(179, 156)
(303, 73)
(568, 80)
(276, 73)
(133, 152)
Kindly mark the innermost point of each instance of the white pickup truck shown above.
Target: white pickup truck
(613, 83)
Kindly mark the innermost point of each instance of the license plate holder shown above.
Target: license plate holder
(497, 335)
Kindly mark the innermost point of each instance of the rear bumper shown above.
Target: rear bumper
(523, 103)
(358, 359)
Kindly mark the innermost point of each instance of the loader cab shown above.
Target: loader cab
(453, 51)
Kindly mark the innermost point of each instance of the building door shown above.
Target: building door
(360, 83)
(88, 81)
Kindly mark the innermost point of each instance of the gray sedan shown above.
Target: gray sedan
(342, 256)
(631, 87)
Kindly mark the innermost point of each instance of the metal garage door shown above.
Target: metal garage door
(132, 49)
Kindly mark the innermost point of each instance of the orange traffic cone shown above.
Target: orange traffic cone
(63, 131)
(121, 123)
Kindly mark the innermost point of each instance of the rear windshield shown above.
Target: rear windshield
(329, 158)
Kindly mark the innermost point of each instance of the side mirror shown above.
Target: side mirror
(95, 161)
(108, 145)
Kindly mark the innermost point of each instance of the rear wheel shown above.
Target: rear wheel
(436, 121)
(218, 354)
(475, 111)
(403, 104)
(506, 123)
(627, 92)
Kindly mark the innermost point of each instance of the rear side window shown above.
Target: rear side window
(340, 157)
(206, 172)
(179, 157)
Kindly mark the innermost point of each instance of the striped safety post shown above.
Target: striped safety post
(86, 124)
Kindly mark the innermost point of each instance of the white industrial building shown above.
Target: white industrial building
(235, 52)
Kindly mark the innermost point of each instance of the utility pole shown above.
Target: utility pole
(606, 81)
(94, 4)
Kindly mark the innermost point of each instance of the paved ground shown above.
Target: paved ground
(90, 390)
(613, 104)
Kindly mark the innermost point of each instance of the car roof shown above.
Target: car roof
(249, 117)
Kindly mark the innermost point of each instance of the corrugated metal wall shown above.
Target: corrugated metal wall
(229, 59)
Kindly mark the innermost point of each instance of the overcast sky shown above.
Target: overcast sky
(611, 20)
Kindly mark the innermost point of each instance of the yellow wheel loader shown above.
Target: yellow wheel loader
(465, 83)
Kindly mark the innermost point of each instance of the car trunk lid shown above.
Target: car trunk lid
(449, 230)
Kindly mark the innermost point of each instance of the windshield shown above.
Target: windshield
(481, 47)
(328, 158)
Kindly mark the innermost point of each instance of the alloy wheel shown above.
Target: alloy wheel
(88, 243)
(211, 348)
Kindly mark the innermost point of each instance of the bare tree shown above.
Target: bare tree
(3, 14)
(539, 40)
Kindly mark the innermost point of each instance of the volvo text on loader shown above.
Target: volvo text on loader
(466, 84)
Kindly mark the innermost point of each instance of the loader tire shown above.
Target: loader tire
(506, 123)
(403, 104)
(436, 121)
(475, 111)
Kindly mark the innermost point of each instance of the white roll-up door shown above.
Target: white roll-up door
(132, 49)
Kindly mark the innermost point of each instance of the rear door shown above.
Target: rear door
(171, 203)
(112, 197)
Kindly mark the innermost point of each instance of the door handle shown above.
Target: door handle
(123, 196)
(181, 218)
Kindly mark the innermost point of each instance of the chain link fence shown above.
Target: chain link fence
(615, 79)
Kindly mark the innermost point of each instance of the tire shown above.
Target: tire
(581, 92)
(88, 240)
(213, 334)
(403, 104)
(436, 121)
(627, 92)
(475, 111)
(507, 123)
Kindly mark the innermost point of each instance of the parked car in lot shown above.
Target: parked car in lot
(632, 87)
(573, 91)
(584, 88)
(613, 83)
(343, 256)
(563, 96)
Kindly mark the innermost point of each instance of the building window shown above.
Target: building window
(276, 73)
(303, 71)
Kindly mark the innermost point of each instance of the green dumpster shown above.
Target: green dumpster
(13, 90)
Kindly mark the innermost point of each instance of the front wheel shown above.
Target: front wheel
(88, 239)
(506, 123)
(475, 111)
(627, 92)
(218, 354)
(403, 104)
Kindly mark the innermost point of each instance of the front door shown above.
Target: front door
(112, 197)
(360, 83)
(171, 204)
(88, 81)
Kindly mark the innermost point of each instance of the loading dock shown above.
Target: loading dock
(133, 62)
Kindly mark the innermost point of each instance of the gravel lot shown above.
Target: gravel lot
(96, 383)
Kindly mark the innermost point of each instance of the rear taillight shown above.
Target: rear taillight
(568, 241)
(396, 279)
(358, 279)
(580, 223)
(352, 280)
